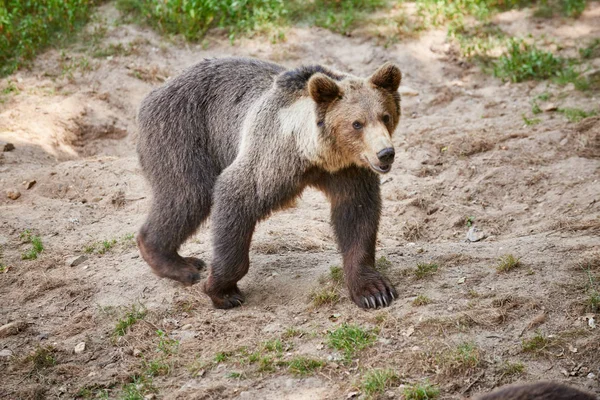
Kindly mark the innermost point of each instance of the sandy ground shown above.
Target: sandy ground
(463, 150)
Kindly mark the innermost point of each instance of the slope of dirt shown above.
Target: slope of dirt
(463, 153)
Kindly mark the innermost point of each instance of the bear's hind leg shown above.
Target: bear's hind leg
(171, 221)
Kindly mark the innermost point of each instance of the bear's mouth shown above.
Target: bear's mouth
(381, 169)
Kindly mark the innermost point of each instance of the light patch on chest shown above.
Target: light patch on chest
(299, 121)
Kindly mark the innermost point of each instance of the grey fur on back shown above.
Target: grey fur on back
(212, 96)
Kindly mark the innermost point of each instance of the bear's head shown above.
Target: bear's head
(358, 116)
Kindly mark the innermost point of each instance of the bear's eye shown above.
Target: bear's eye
(357, 125)
(385, 119)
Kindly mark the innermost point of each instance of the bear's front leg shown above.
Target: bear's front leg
(355, 210)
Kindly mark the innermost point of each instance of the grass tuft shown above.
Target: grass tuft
(37, 246)
(536, 344)
(507, 263)
(132, 316)
(350, 339)
(421, 391)
(576, 114)
(324, 296)
(336, 274)
(383, 264)
(303, 366)
(510, 369)
(425, 270)
(377, 380)
(42, 358)
(421, 300)
(462, 358)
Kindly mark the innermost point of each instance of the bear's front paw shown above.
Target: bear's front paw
(372, 290)
(224, 298)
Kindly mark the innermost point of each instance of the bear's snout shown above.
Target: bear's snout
(386, 156)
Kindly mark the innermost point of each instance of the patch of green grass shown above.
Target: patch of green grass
(590, 51)
(266, 364)
(167, 345)
(324, 296)
(421, 300)
(463, 357)
(421, 391)
(106, 245)
(303, 366)
(350, 339)
(507, 263)
(27, 27)
(132, 316)
(336, 274)
(193, 19)
(292, 332)
(530, 122)
(536, 344)
(479, 41)
(544, 96)
(113, 50)
(222, 356)
(523, 61)
(383, 264)
(469, 221)
(568, 8)
(376, 381)
(510, 369)
(576, 114)
(236, 375)
(156, 367)
(36, 245)
(338, 16)
(140, 387)
(425, 270)
(42, 358)
(274, 345)
(593, 300)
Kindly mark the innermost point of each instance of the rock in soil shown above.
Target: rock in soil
(5, 353)
(475, 235)
(13, 194)
(12, 328)
(30, 184)
(75, 261)
(80, 348)
(6, 146)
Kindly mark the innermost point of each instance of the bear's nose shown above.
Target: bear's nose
(386, 156)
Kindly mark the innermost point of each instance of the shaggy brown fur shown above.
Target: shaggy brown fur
(538, 391)
(241, 138)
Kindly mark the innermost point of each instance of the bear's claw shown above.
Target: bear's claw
(225, 299)
(376, 293)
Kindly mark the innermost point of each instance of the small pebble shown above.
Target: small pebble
(5, 353)
(13, 194)
(80, 348)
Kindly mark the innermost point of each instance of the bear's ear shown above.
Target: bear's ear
(388, 77)
(323, 89)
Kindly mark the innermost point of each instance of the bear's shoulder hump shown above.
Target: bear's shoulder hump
(296, 79)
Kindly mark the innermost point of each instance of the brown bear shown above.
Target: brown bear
(240, 138)
(537, 391)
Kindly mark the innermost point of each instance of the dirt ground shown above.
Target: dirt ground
(464, 157)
